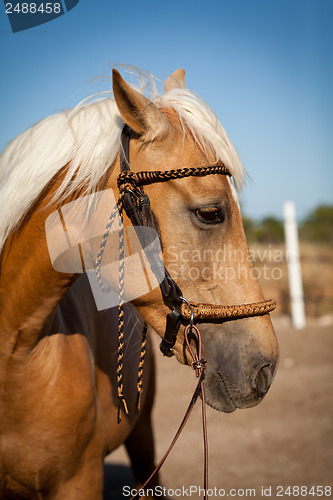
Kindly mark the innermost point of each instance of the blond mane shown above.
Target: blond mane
(87, 139)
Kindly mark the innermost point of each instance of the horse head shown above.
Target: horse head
(202, 236)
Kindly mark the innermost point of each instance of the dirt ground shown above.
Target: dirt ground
(285, 441)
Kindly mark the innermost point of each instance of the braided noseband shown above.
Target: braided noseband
(211, 311)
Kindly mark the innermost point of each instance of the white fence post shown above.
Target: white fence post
(294, 266)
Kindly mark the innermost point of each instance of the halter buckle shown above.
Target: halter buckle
(131, 207)
(171, 330)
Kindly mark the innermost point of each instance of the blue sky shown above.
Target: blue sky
(264, 66)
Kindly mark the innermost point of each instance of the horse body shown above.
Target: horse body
(58, 399)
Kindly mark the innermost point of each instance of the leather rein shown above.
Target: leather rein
(136, 204)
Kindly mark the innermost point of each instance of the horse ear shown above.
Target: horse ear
(137, 111)
(175, 81)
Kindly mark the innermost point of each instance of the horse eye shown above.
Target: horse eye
(209, 215)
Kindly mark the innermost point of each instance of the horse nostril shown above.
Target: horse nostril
(263, 380)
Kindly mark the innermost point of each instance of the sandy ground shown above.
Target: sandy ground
(285, 441)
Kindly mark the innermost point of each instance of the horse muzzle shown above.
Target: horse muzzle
(225, 395)
(241, 364)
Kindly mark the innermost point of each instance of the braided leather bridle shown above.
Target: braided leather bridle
(135, 203)
(133, 200)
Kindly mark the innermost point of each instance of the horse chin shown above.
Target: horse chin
(221, 397)
(224, 406)
(217, 395)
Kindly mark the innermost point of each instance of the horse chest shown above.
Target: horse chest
(50, 414)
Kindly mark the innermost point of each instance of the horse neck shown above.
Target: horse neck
(30, 288)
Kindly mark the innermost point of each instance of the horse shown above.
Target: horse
(60, 410)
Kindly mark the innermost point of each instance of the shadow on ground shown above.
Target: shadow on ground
(116, 477)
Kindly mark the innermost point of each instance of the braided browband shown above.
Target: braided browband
(144, 178)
